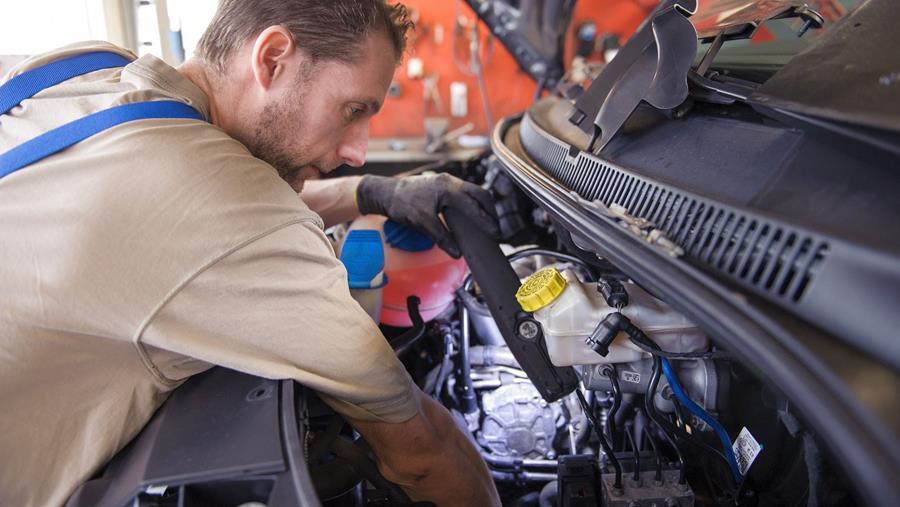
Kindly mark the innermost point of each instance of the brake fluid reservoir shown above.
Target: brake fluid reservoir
(569, 310)
(413, 265)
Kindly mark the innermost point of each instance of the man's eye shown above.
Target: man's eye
(356, 111)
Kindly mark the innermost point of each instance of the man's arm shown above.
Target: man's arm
(279, 307)
(333, 199)
(414, 201)
(430, 458)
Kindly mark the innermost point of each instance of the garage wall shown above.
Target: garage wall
(509, 90)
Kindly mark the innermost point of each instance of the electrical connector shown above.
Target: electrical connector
(605, 332)
(613, 293)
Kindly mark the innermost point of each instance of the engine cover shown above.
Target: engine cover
(517, 422)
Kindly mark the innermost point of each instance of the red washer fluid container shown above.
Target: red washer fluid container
(413, 265)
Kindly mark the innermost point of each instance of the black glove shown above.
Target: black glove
(415, 201)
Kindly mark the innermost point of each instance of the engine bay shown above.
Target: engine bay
(658, 413)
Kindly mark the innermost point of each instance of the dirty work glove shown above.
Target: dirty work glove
(415, 201)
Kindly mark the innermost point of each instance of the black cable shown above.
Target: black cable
(636, 474)
(658, 476)
(405, 341)
(603, 443)
(663, 425)
(617, 403)
(656, 351)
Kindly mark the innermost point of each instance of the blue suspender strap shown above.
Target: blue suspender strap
(28, 84)
(62, 137)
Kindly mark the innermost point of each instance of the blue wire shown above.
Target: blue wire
(702, 414)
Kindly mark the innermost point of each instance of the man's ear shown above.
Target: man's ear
(272, 50)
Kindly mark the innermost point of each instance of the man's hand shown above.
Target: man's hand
(430, 458)
(416, 201)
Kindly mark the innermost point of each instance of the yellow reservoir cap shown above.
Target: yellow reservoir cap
(540, 289)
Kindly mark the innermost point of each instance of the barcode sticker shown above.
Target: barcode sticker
(631, 376)
(746, 449)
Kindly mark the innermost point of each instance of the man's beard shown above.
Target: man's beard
(274, 126)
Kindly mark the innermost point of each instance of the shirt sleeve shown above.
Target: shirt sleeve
(280, 308)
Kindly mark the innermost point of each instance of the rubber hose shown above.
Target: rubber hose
(489, 356)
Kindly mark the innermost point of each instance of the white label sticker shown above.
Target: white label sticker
(631, 376)
(156, 490)
(746, 449)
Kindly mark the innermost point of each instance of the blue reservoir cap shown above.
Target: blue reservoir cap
(406, 238)
(363, 256)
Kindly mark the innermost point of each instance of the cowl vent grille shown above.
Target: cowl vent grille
(767, 256)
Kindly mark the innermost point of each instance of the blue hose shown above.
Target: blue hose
(702, 414)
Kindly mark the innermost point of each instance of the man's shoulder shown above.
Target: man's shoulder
(197, 164)
(64, 52)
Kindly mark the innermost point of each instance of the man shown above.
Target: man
(157, 248)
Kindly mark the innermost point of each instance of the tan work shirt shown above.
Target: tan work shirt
(144, 255)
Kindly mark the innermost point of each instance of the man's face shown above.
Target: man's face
(322, 119)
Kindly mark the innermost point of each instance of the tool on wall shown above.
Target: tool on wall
(467, 54)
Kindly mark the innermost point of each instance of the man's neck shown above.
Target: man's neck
(198, 74)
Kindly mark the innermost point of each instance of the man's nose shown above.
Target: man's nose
(352, 149)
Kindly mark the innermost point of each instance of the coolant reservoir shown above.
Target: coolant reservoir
(569, 310)
(413, 265)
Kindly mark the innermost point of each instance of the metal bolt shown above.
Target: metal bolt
(528, 329)
(538, 68)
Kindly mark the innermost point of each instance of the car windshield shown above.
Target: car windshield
(775, 42)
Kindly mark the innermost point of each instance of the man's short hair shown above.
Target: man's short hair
(325, 30)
